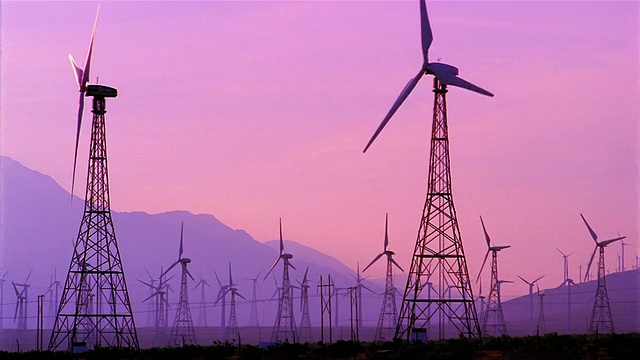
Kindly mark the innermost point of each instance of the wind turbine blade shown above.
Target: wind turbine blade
(403, 96)
(593, 233)
(150, 296)
(272, 267)
(149, 285)
(170, 267)
(425, 27)
(290, 264)
(87, 64)
(374, 260)
(230, 278)
(304, 279)
(586, 274)
(607, 242)
(16, 289)
(386, 232)
(77, 71)
(240, 296)
(75, 154)
(563, 254)
(396, 264)
(181, 234)
(364, 287)
(448, 78)
(528, 283)
(28, 276)
(483, 263)
(188, 273)
(217, 278)
(16, 313)
(486, 234)
(536, 280)
(281, 241)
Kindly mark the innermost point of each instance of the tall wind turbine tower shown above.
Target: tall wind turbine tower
(531, 284)
(253, 315)
(202, 312)
(22, 302)
(493, 323)
(542, 324)
(601, 320)
(182, 332)
(438, 249)
(305, 324)
(285, 327)
(96, 269)
(359, 286)
(161, 305)
(231, 331)
(387, 322)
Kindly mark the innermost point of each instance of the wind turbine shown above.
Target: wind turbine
(285, 325)
(542, 325)
(439, 244)
(531, 284)
(22, 301)
(202, 314)
(160, 307)
(601, 320)
(82, 78)
(622, 245)
(253, 315)
(232, 330)
(182, 331)
(305, 324)
(3, 278)
(493, 312)
(359, 286)
(388, 313)
(565, 259)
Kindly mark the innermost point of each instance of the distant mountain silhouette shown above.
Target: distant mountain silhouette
(39, 225)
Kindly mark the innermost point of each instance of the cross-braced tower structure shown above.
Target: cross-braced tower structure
(601, 320)
(96, 267)
(2, 280)
(21, 313)
(542, 324)
(159, 307)
(439, 256)
(182, 332)
(232, 333)
(388, 320)
(284, 328)
(305, 324)
(253, 314)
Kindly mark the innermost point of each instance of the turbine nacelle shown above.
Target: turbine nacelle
(440, 69)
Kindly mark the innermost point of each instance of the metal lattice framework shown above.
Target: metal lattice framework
(493, 323)
(439, 256)
(232, 332)
(542, 324)
(284, 328)
(96, 270)
(601, 320)
(387, 322)
(306, 335)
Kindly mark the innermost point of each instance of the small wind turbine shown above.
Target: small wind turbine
(359, 286)
(160, 307)
(531, 284)
(82, 78)
(232, 330)
(22, 301)
(202, 314)
(601, 320)
(565, 260)
(542, 325)
(389, 313)
(253, 315)
(493, 311)
(305, 324)
(3, 278)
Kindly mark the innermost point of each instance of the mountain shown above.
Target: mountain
(39, 225)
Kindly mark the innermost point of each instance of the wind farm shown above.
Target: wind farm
(224, 128)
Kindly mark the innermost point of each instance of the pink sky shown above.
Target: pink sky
(252, 111)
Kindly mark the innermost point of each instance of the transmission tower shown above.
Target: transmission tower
(233, 333)
(96, 267)
(182, 332)
(284, 328)
(355, 314)
(325, 306)
(542, 324)
(306, 336)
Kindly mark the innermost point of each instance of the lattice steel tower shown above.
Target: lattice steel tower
(438, 252)
(182, 332)
(542, 324)
(96, 269)
(305, 324)
(284, 328)
(439, 256)
(388, 320)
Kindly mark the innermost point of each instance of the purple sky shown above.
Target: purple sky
(252, 111)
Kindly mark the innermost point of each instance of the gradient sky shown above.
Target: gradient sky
(252, 111)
